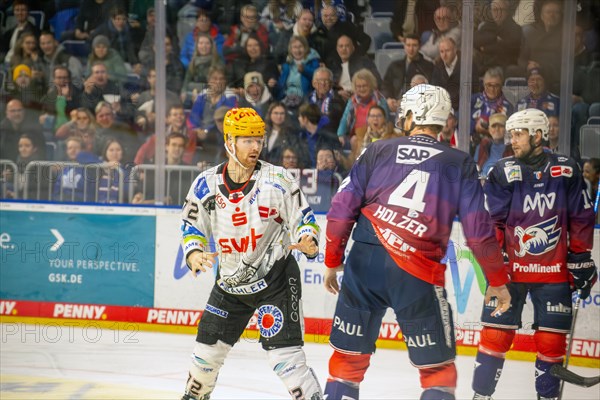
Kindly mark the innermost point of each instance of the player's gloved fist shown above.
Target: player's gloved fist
(583, 270)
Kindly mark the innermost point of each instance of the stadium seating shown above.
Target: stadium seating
(390, 52)
(514, 89)
(589, 141)
(375, 25)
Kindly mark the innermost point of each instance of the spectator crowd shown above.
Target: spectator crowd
(78, 85)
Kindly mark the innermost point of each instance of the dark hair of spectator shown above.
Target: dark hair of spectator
(176, 135)
(116, 11)
(255, 37)
(310, 112)
(21, 3)
(272, 106)
(377, 107)
(61, 67)
(107, 145)
(595, 163)
(413, 36)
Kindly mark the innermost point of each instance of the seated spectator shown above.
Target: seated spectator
(400, 72)
(175, 72)
(279, 17)
(446, 26)
(365, 96)
(493, 148)
(26, 88)
(542, 44)
(281, 133)
(313, 135)
(449, 133)
(497, 41)
(54, 54)
(15, 124)
(144, 103)
(103, 53)
(175, 125)
(205, 56)
(109, 128)
(91, 15)
(329, 178)
(113, 183)
(116, 29)
(76, 183)
(30, 181)
(446, 71)
(177, 183)
(253, 59)
(290, 159)
(62, 98)
(256, 94)
(83, 127)
(332, 28)
(328, 100)
(147, 47)
(203, 26)
(490, 101)
(591, 174)
(234, 45)
(539, 97)
(26, 51)
(201, 119)
(10, 37)
(98, 87)
(304, 26)
(297, 72)
(378, 127)
(345, 65)
(553, 132)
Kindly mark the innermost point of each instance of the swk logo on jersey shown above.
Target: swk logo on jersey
(410, 154)
(540, 202)
(537, 239)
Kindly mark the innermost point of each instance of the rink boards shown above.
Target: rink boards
(115, 266)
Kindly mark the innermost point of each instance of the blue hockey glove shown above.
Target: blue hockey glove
(583, 270)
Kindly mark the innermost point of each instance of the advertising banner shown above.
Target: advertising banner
(54, 253)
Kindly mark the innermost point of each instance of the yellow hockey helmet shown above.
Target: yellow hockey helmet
(242, 122)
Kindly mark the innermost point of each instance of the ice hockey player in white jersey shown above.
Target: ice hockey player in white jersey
(244, 217)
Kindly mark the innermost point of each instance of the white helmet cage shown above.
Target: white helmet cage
(426, 104)
(531, 119)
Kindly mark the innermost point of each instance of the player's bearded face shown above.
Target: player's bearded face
(248, 148)
(521, 142)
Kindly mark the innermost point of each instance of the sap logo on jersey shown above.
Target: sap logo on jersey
(409, 154)
(538, 239)
(270, 320)
(540, 201)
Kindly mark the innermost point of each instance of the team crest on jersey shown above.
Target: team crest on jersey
(561, 170)
(537, 175)
(201, 188)
(538, 239)
(236, 197)
(513, 173)
(270, 320)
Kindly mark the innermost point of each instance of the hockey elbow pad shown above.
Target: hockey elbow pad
(583, 270)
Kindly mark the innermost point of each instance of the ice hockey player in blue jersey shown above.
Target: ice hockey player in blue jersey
(254, 214)
(401, 197)
(545, 219)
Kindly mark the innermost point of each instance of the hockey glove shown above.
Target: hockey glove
(583, 270)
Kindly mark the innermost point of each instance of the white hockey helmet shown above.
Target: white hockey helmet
(426, 105)
(531, 119)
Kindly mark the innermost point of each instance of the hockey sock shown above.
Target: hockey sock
(340, 389)
(487, 373)
(546, 385)
(436, 394)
